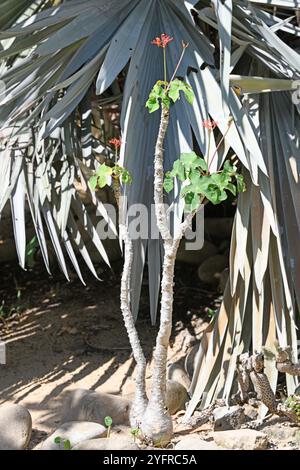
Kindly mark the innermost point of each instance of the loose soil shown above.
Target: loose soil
(62, 335)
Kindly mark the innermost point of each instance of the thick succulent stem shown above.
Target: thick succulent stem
(157, 425)
(140, 400)
(160, 209)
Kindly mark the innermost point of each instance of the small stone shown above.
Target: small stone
(242, 439)
(196, 257)
(120, 430)
(88, 405)
(226, 418)
(210, 270)
(191, 359)
(75, 432)
(194, 442)
(250, 412)
(15, 427)
(176, 396)
(112, 443)
(284, 434)
(176, 372)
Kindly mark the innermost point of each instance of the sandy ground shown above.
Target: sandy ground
(64, 335)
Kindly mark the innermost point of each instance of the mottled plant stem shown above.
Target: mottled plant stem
(160, 208)
(140, 400)
(157, 424)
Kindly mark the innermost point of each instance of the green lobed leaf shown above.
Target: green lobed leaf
(178, 170)
(126, 177)
(157, 95)
(178, 85)
(232, 188)
(168, 183)
(188, 159)
(152, 104)
(189, 96)
(93, 182)
(241, 187)
(174, 89)
(200, 163)
(103, 173)
(192, 202)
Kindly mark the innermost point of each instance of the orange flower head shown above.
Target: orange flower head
(162, 41)
(115, 142)
(210, 125)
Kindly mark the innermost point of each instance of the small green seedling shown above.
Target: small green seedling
(108, 423)
(16, 307)
(66, 443)
(31, 249)
(135, 433)
(293, 404)
(211, 313)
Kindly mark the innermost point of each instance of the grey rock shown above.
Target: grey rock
(194, 442)
(196, 257)
(226, 418)
(177, 372)
(250, 412)
(242, 439)
(120, 430)
(283, 433)
(176, 396)
(210, 270)
(15, 427)
(75, 432)
(191, 359)
(113, 443)
(87, 405)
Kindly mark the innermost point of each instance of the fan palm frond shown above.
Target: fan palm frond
(57, 60)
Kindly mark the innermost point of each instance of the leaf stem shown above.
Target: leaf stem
(165, 64)
(209, 142)
(220, 143)
(184, 47)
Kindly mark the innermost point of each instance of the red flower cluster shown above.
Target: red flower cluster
(115, 142)
(210, 125)
(162, 41)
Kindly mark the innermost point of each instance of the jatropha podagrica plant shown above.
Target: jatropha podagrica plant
(117, 174)
(198, 185)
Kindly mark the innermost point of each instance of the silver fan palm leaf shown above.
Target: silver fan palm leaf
(50, 67)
